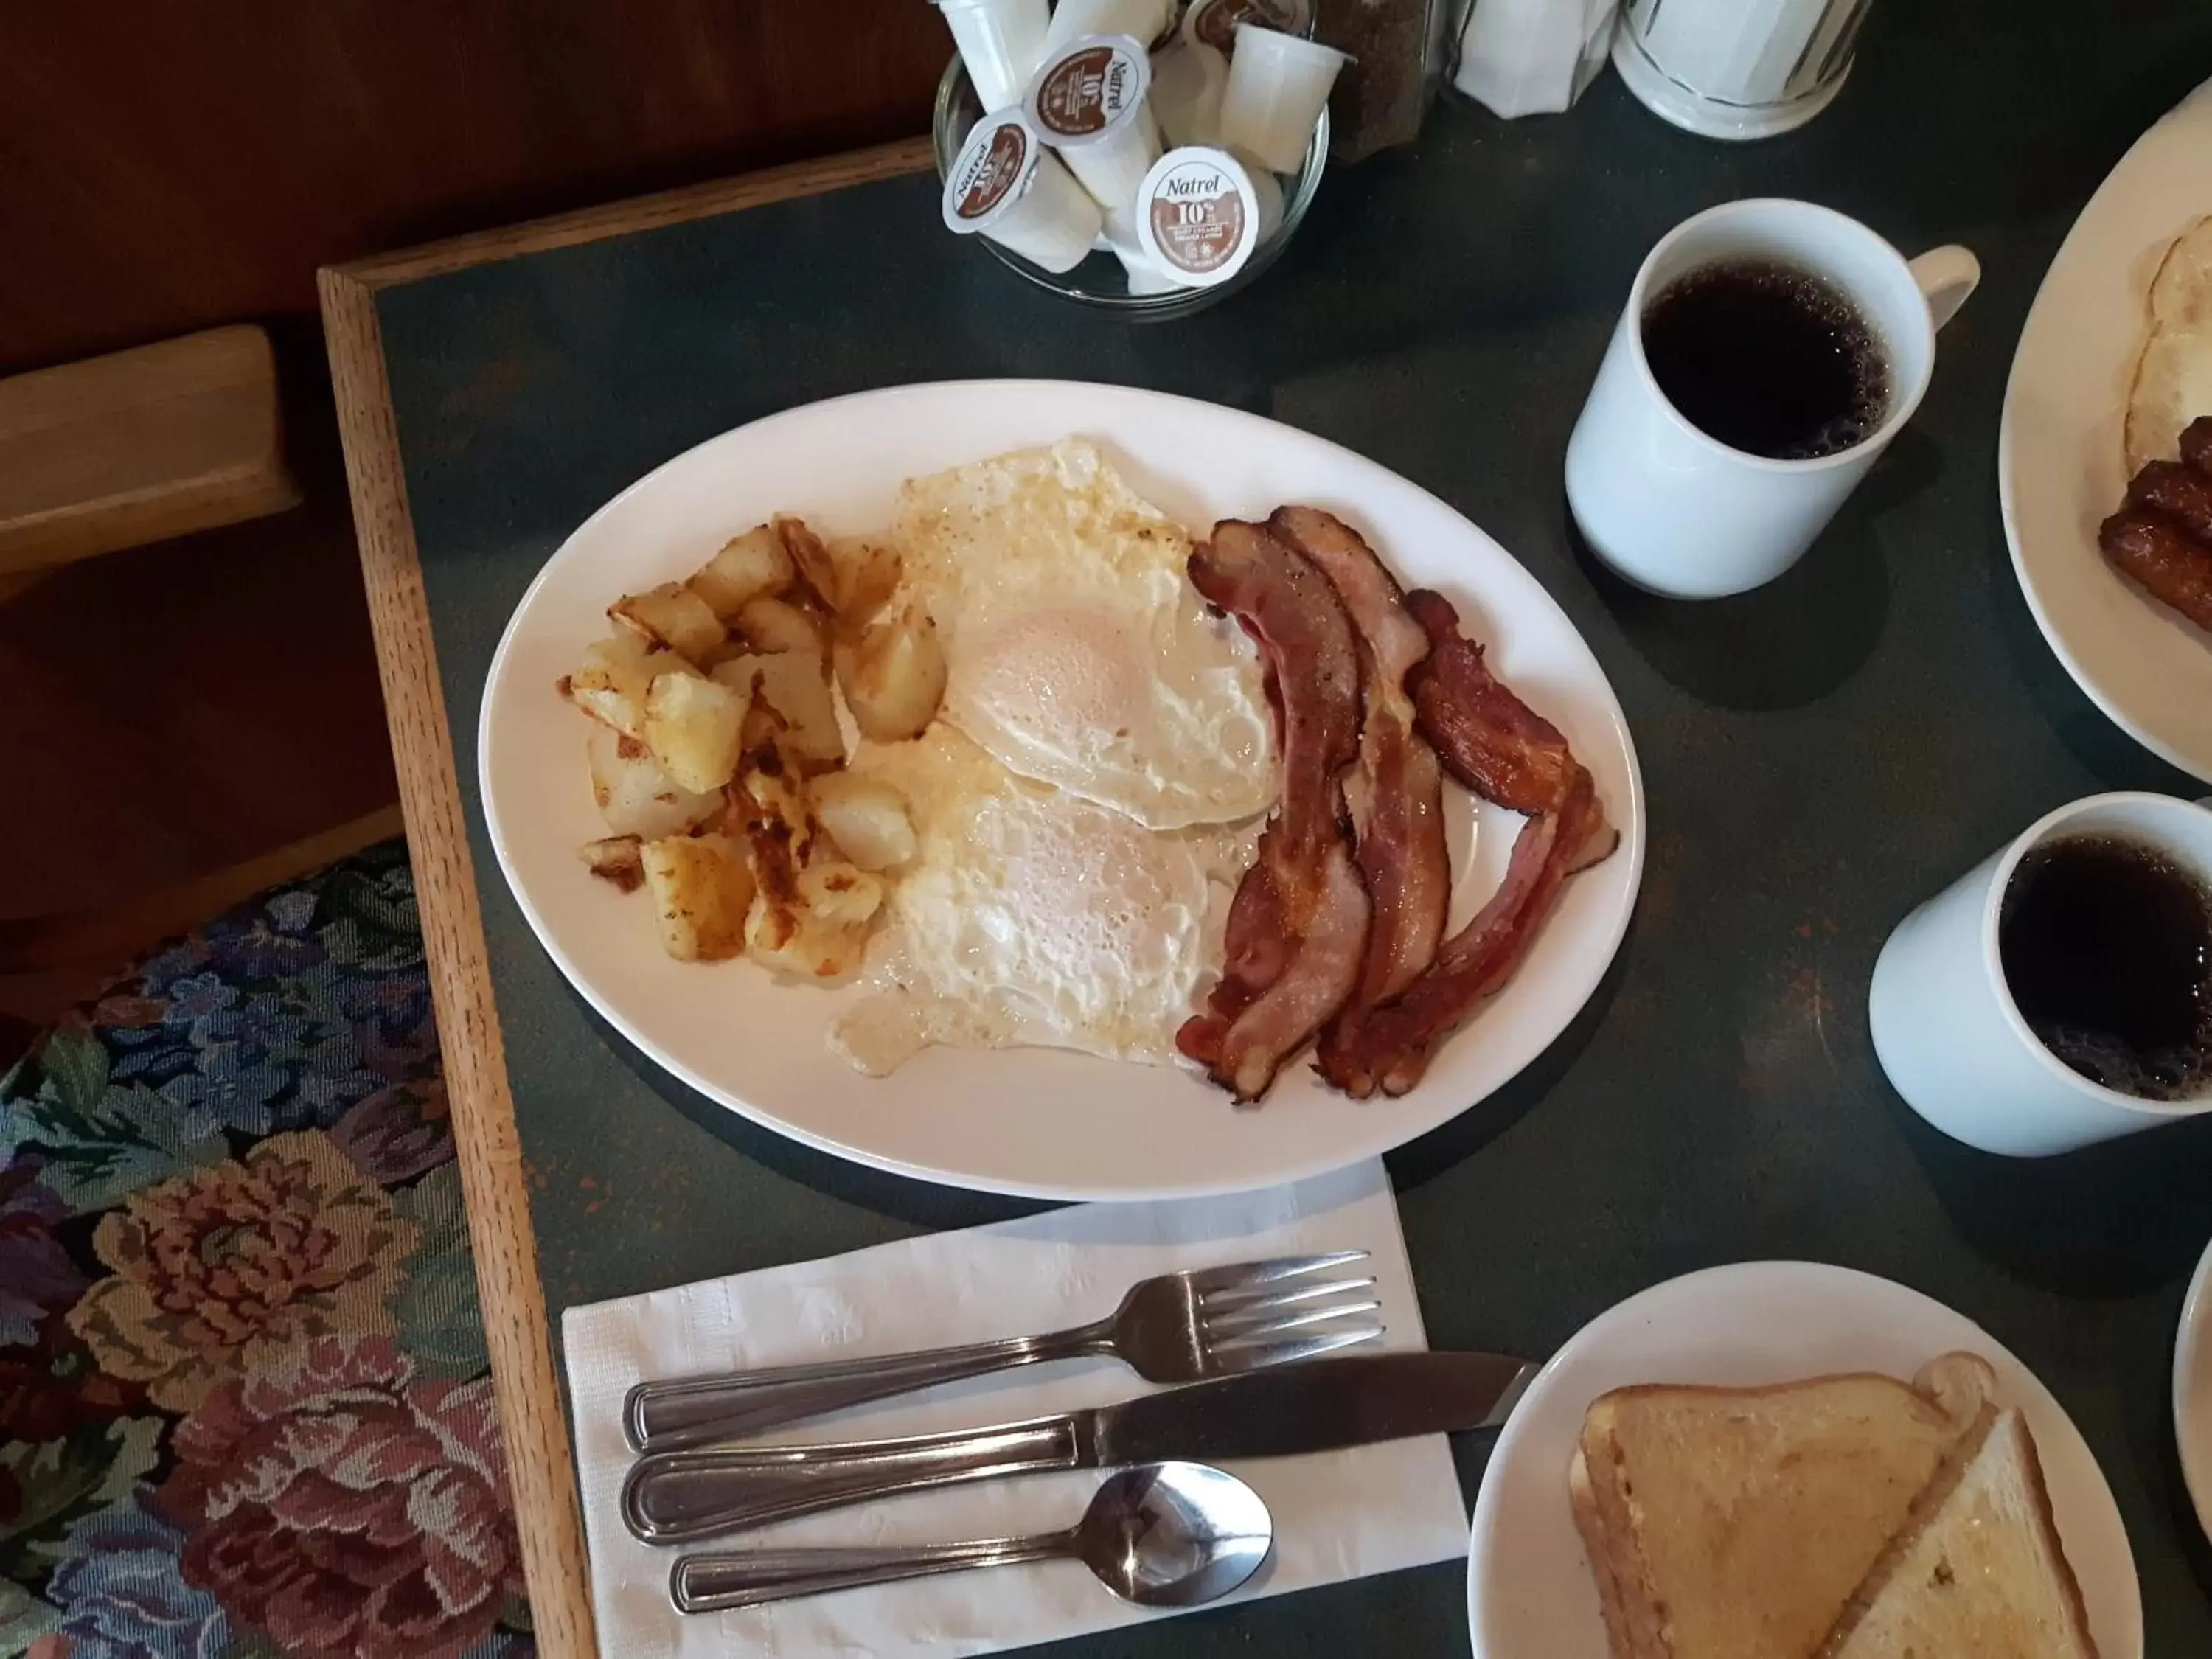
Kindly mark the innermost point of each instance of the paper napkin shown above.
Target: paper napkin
(1338, 1515)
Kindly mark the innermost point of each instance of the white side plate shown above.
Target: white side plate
(1529, 1593)
(1030, 1122)
(2059, 466)
(2192, 1391)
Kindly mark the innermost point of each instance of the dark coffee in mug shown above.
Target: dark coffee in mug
(1768, 358)
(2106, 947)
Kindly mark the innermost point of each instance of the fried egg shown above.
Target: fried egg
(1077, 653)
(1030, 916)
(2174, 375)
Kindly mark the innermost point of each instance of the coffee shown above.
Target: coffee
(2106, 947)
(1768, 358)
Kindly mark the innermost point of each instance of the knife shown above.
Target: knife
(1319, 1405)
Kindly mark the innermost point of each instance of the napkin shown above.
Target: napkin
(1338, 1515)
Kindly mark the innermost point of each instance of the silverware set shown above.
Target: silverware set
(1254, 1346)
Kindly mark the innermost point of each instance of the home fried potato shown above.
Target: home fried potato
(694, 727)
(610, 683)
(796, 684)
(703, 892)
(867, 576)
(824, 932)
(768, 626)
(750, 566)
(673, 616)
(634, 795)
(893, 675)
(866, 817)
(817, 572)
(616, 859)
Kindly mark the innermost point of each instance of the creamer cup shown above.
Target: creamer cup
(1188, 81)
(1213, 22)
(1278, 84)
(1143, 20)
(1087, 100)
(1199, 214)
(1001, 42)
(1145, 274)
(1008, 187)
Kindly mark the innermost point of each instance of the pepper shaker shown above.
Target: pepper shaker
(1398, 48)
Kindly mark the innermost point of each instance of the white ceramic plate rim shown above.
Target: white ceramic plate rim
(1565, 967)
(2192, 1381)
(1795, 1298)
(2076, 356)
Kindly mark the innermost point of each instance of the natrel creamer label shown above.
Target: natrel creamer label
(989, 168)
(1198, 218)
(1089, 89)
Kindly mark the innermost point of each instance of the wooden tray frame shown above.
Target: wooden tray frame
(518, 1334)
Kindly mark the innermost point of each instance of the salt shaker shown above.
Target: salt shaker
(1737, 69)
(1532, 57)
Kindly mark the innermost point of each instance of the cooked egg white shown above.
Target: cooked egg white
(1030, 916)
(2173, 376)
(1079, 654)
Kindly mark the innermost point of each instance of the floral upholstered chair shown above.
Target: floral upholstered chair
(243, 1404)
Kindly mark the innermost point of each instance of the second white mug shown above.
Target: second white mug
(1678, 512)
(1950, 1037)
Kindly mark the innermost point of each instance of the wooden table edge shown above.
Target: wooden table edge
(654, 212)
(518, 1334)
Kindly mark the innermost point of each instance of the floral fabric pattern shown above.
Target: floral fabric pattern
(244, 1406)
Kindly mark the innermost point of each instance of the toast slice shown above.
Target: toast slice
(1978, 1568)
(1734, 1523)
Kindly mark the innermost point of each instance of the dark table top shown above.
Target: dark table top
(1820, 755)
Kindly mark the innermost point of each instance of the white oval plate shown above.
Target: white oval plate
(1027, 1121)
(1529, 1594)
(2192, 1391)
(2059, 465)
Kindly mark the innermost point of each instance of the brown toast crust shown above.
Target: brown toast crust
(1605, 1546)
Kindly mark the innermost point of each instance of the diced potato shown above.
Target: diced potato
(635, 796)
(770, 790)
(796, 684)
(893, 675)
(695, 728)
(825, 934)
(866, 817)
(610, 685)
(703, 891)
(616, 859)
(772, 625)
(810, 558)
(749, 567)
(867, 576)
(672, 615)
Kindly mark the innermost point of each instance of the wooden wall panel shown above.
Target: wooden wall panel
(166, 165)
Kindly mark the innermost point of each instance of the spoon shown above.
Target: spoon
(1160, 1534)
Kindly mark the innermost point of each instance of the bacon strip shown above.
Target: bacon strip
(1487, 737)
(1395, 793)
(1497, 746)
(1399, 1039)
(1297, 927)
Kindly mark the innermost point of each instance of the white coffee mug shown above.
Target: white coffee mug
(1682, 514)
(1945, 1025)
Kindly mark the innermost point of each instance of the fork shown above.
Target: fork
(1178, 1327)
